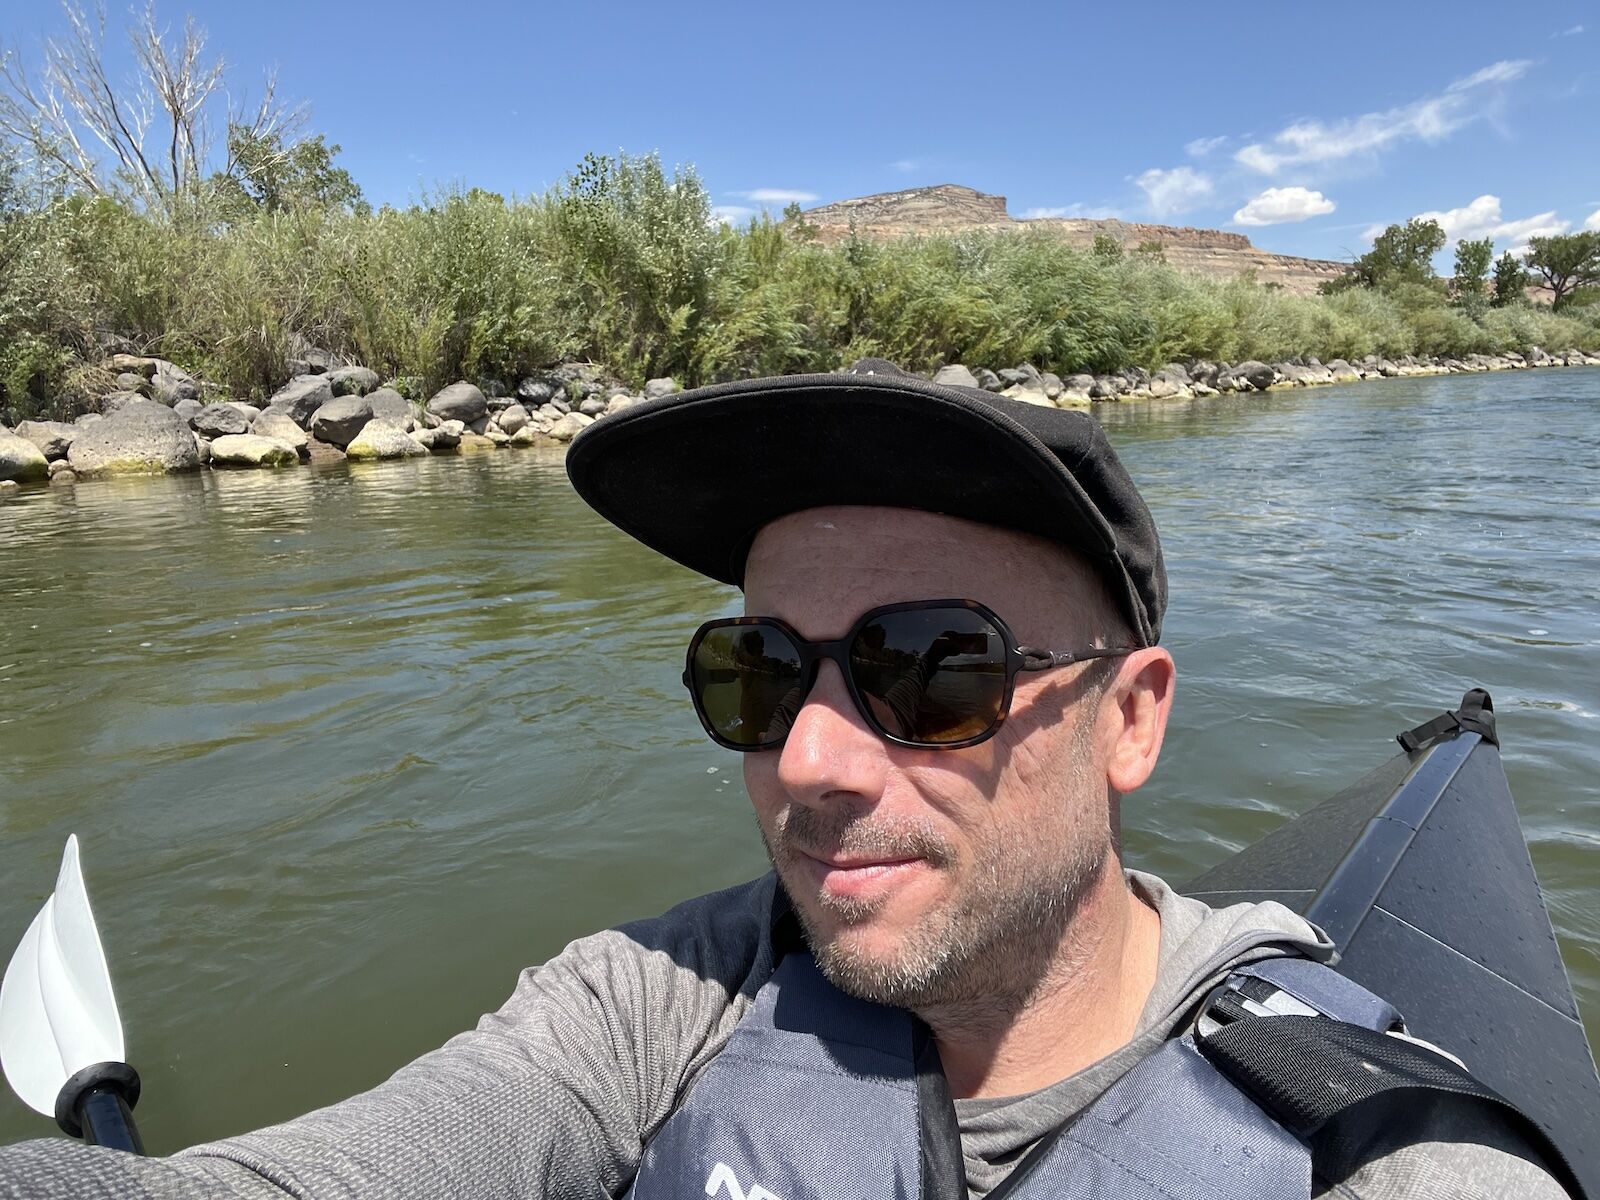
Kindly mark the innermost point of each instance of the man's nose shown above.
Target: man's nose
(830, 754)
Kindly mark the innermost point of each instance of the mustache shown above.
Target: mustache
(821, 833)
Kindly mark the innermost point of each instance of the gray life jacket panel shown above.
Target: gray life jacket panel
(821, 1096)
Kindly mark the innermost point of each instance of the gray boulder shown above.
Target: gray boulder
(300, 398)
(955, 375)
(988, 380)
(1257, 374)
(188, 410)
(1164, 385)
(512, 418)
(20, 460)
(537, 389)
(444, 437)
(561, 405)
(498, 436)
(1012, 376)
(1204, 372)
(1051, 382)
(384, 439)
(339, 420)
(389, 405)
(594, 406)
(654, 389)
(171, 384)
(618, 403)
(252, 450)
(115, 402)
(1177, 372)
(132, 381)
(353, 381)
(1104, 387)
(143, 437)
(569, 426)
(250, 411)
(278, 427)
(1076, 387)
(1342, 371)
(52, 437)
(84, 420)
(217, 420)
(459, 402)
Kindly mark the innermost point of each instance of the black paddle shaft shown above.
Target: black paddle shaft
(97, 1103)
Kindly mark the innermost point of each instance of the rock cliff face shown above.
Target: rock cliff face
(950, 208)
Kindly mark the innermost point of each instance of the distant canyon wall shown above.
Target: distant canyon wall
(951, 208)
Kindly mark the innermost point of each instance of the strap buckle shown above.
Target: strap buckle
(1241, 996)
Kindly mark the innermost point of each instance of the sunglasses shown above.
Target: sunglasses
(933, 674)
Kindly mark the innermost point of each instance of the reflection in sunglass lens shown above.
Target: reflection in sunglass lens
(933, 675)
(747, 682)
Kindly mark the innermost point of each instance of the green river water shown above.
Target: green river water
(349, 747)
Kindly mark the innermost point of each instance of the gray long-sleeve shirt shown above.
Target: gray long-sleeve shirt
(556, 1094)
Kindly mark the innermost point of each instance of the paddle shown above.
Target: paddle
(60, 1035)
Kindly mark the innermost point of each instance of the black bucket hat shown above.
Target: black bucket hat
(696, 475)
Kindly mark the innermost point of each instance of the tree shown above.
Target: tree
(1400, 254)
(1106, 247)
(152, 142)
(1566, 261)
(269, 173)
(794, 219)
(1472, 271)
(1509, 280)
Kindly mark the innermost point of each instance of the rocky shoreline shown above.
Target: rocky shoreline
(160, 420)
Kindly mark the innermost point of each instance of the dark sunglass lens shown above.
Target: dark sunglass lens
(747, 683)
(931, 675)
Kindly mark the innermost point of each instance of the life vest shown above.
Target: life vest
(819, 1095)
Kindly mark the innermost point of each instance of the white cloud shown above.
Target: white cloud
(776, 196)
(1483, 219)
(1573, 32)
(1277, 206)
(1079, 211)
(1592, 221)
(1201, 147)
(733, 214)
(1429, 119)
(904, 165)
(1174, 191)
(1507, 70)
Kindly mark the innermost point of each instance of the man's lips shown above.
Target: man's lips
(857, 876)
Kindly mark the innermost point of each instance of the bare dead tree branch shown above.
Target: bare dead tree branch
(153, 140)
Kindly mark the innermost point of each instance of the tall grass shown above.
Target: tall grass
(622, 265)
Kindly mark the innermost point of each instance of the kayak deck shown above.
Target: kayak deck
(1420, 874)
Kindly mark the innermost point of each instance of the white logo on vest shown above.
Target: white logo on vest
(722, 1176)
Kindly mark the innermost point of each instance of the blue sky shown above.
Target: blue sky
(1303, 126)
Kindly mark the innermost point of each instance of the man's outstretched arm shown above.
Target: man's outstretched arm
(553, 1095)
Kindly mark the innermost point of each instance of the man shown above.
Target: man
(947, 680)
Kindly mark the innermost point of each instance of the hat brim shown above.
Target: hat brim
(696, 475)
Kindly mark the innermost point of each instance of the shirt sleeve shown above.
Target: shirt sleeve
(553, 1095)
(1455, 1146)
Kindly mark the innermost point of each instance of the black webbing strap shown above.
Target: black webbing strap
(1476, 714)
(1306, 1072)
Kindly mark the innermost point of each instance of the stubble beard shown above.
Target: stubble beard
(988, 947)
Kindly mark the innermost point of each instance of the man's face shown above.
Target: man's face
(929, 877)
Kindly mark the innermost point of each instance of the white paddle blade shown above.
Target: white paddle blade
(57, 1011)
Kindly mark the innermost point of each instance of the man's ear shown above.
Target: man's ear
(1134, 715)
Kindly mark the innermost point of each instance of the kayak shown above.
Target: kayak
(1420, 875)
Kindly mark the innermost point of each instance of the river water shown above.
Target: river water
(348, 747)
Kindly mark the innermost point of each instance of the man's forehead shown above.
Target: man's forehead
(851, 557)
